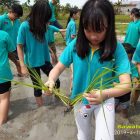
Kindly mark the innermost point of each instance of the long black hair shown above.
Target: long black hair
(95, 15)
(72, 12)
(38, 18)
(136, 12)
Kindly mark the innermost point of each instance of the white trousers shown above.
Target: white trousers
(104, 128)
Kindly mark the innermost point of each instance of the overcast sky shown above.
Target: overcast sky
(78, 3)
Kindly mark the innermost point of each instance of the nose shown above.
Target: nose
(94, 37)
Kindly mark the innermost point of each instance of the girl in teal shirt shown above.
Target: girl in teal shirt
(6, 50)
(51, 41)
(32, 43)
(71, 25)
(96, 47)
(133, 31)
(136, 61)
(53, 20)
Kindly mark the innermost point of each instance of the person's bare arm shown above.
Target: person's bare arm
(53, 76)
(56, 71)
(12, 57)
(97, 96)
(62, 31)
(138, 66)
(24, 70)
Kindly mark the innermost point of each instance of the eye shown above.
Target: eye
(87, 30)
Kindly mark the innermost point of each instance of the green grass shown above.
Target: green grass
(122, 18)
(121, 28)
(59, 41)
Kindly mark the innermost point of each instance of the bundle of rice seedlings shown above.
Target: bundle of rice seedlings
(96, 79)
(40, 85)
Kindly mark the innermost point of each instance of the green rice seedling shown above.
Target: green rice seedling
(40, 85)
(94, 82)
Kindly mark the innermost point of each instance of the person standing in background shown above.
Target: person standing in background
(10, 23)
(133, 31)
(53, 20)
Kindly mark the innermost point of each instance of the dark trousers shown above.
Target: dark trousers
(124, 98)
(16, 54)
(129, 49)
(56, 24)
(46, 68)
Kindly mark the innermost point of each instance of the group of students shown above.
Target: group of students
(93, 48)
(29, 45)
(131, 45)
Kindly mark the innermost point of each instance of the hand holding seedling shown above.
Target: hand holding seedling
(95, 97)
(50, 84)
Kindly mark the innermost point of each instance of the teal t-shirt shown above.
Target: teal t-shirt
(10, 27)
(51, 31)
(36, 53)
(136, 56)
(84, 70)
(133, 33)
(6, 46)
(134, 71)
(71, 30)
(53, 11)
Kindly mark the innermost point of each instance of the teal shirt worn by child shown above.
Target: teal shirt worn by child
(51, 31)
(133, 33)
(53, 11)
(84, 70)
(134, 71)
(10, 27)
(71, 30)
(136, 56)
(36, 52)
(6, 46)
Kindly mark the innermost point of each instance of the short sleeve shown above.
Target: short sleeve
(66, 57)
(122, 63)
(55, 29)
(21, 34)
(136, 56)
(1, 22)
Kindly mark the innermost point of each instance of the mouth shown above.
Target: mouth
(95, 41)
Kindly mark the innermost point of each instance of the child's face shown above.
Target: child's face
(131, 16)
(76, 16)
(95, 38)
(13, 16)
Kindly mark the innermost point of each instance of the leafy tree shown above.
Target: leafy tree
(118, 6)
(8, 2)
